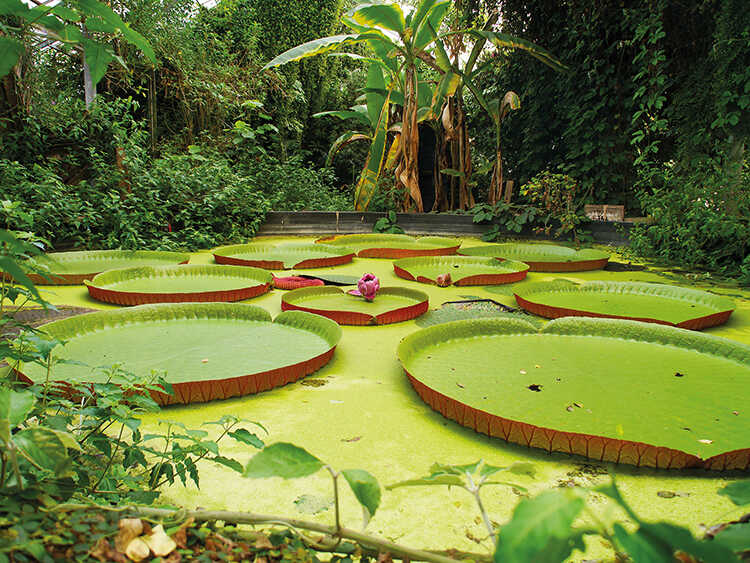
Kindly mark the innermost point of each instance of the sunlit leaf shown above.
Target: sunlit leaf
(738, 492)
(282, 460)
(366, 488)
(387, 16)
(540, 529)
(318, 46)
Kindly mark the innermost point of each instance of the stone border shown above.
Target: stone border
(348, 222)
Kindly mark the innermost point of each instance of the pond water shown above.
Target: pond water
(362, 413)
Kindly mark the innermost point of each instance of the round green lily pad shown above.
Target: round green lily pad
(649, 302)
(283, 256)
(72, 268)
(391, 304)
(394, 245)
(544, 257)
(208, 350)
(175, 284)
(463, 270)
(610, 390)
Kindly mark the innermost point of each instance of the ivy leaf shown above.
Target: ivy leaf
(738, 492)
(282, 460)
(367, 490)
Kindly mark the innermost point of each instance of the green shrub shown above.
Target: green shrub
(697, 222)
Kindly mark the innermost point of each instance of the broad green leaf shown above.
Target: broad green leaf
(452, 172)
(393, 152)
(317, 47)
(10, 51)
(387, 16)
(15, 407)
(505, 41)
(738, 492)
(344, 114)
(98, 9)
(447, 86)
(12, 8)
(246, 437)
(282, 460)
(68, 440)
(425, 31)
(368, 180)
(735, 537)
(70, 33)
(42, 448)
(344, 140)
(540, 524)
(366, 488)
(421, 12)
(98, 57)
(661, 539)
(66, 13)
(641, 548)
(375, 98)
(443, 479)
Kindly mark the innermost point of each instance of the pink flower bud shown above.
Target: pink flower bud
(367, 287)
(444, 280)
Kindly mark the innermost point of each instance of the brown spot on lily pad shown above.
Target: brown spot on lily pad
(535, 387)
(354, 439)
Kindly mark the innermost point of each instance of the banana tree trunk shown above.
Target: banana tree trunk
(496, 185)
(408, 175)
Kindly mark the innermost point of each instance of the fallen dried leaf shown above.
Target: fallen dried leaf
(180, 536)
(130, 528)
(137, 550)
(461, 386)
(706, 441)
(354, 439)
(262, 542)
(159, 542)
(523, 372)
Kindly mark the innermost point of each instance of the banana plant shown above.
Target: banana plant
(398, 42)
(373, 117)
(377, 97)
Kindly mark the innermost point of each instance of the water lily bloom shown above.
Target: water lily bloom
(444, 280)
(367, 287)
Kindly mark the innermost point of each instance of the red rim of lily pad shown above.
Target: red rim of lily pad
(557, 258)
(99, 259)
(334, 256)
(724, 307)
(386, 245)
(294, 301)
(600, 448)
(295, 282)
(251, 282)
(211, 389)
(508, 271)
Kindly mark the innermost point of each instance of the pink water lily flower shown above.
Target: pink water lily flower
(444, 280)
(367, 287)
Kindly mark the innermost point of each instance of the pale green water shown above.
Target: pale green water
(367, 416)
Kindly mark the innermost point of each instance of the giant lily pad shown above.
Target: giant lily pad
(393, 245)
(175, 284)
(544, 257)
(209, 350)
(71, 268)
(648, 302)
(610, 390)
(283, 256)
(391, 304)
(463, 270)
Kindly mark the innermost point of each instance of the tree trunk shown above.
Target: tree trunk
(496, 185)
